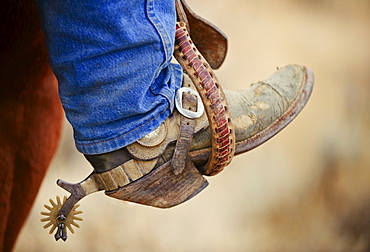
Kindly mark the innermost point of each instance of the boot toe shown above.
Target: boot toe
(265, 108)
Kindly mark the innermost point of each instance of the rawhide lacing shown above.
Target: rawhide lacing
(213, 98)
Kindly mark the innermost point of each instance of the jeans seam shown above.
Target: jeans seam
(158, 27)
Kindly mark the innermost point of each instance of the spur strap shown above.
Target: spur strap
(213, 98)
(187, 126)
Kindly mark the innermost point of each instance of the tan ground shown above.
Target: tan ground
(307, 189)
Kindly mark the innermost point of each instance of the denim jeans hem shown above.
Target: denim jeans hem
(123, 140)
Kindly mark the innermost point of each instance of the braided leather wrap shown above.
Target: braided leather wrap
(213, 98)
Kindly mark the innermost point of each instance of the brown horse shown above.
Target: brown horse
(30, 115)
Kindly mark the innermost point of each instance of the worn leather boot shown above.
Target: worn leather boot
(144, 172)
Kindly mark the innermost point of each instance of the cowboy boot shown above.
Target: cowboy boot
(146, 172)
(258, 113)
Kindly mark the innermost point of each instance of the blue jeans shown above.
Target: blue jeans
(112, 59)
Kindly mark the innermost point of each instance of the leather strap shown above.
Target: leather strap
(215, 104)
(181, 14)
(186, 135)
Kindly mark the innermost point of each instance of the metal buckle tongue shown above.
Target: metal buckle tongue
(185, 112)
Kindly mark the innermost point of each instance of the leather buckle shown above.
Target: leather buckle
(185, 112)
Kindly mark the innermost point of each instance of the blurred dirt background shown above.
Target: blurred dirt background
(307, 189)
